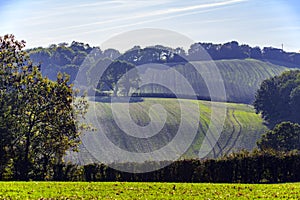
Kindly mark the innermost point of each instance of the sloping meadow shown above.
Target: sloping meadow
(242, 128)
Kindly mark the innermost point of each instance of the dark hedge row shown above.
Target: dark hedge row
(244, 167)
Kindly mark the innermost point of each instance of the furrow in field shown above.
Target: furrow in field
(239, 131)
(226, 135)
(210, 143)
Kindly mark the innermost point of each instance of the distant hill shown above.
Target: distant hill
(242, 128)
(242, 77)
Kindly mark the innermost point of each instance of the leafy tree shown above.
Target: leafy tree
(278, 98)
(119, 75)
(274, 53)
(38, 117)
(111, 54)
(155, 54)
(284, 137)
(255, 53)
(79, 46)
(196, 52)
(11, 58)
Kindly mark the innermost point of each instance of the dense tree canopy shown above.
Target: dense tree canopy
(278, 98)
(38, 119)
(284, 137)
(119, 76)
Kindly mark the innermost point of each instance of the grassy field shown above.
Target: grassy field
(242, 127)
(120, 190)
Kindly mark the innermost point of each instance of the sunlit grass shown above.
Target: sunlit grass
(126, 190)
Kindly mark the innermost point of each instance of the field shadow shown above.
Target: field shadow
(106, 99)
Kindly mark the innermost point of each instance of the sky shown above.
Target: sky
(263, 23)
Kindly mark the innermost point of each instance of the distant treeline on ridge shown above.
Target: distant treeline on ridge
(68, 57)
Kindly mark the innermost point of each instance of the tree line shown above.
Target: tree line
(68, 58)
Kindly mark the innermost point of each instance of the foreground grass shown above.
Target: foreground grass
(120, 190)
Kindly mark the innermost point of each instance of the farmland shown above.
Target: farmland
(241, 129)
(127, 190)
(241, 78)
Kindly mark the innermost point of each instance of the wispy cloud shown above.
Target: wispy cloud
(140, 22)
(127, 20)
(66, 11)
(195, 7)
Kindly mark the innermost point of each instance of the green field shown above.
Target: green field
(242, 127)
(126, 190)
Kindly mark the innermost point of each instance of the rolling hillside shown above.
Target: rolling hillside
(242, 127)
(241, 78)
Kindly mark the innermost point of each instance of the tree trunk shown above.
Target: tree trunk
(25, 168)
(116, 90)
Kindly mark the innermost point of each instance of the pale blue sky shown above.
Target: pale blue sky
(254, 22)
